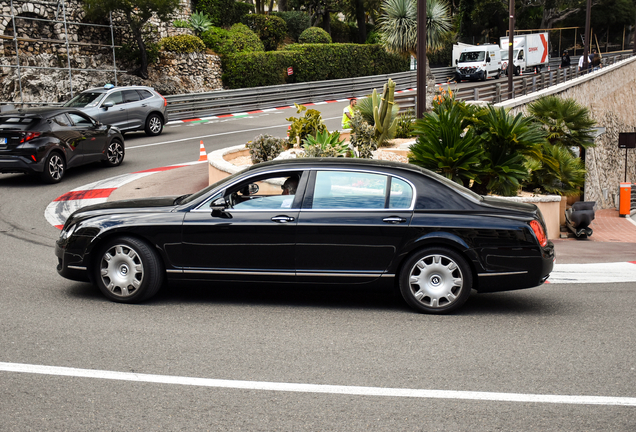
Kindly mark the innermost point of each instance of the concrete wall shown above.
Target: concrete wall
(609, 94)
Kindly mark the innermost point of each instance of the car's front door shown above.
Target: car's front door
(113, 110)
(251, 238)
(94, 137)
(351, 225)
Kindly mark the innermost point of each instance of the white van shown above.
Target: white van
(478, 63)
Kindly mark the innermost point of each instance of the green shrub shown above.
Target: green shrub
(181, 23)
(325, 144)
(182, 44)
(405, 124)
(270, 29)
(296, 21)
(373, 38)
(129, 53)
(265, 148)
(309, 124)
(362, 136)
(342, 32)
(314, 35)
(256, 69)
(238, 39)
(224, 12)
(311, 62)
(200, 22)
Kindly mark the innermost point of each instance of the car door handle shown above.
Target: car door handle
(282, 219)
(394, 220)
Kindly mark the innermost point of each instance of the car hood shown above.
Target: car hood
(140, 205)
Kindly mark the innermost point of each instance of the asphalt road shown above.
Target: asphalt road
(226, 358)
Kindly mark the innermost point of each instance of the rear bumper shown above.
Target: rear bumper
(18, 164)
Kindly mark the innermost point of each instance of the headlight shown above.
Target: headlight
(66, 233)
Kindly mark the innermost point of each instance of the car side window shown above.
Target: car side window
(273, 192)
(349, 190)
(116, 98)
(131, 96)
(401, 194)
(144, 94)
(61, 120)
(79, 120)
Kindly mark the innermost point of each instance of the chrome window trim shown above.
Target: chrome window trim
(410, 208)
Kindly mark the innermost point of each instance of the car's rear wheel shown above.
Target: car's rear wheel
(436, 280)
(128, 270)
(154, 125)
(114, 154)
(54, 168)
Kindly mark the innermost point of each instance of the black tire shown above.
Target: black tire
(154, 125)
(435, 280)
(517, 70)
(498, 74)
(127, 270)
(114, 153)
(54, 168)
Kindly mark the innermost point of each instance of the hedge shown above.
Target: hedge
(310, 62)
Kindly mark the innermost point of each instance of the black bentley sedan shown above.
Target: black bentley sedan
(332, 220)
(47, 141)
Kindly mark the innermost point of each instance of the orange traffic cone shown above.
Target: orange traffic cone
(520, 72)
(203, 156)
(548, 68)
(535, 71)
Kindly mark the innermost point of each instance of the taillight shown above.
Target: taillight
(165, 102)
(28, 136)
(538, 231)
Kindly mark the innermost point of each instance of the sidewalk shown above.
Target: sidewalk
(614, 238)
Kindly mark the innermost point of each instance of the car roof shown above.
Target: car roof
(105, 90)
(40, 111)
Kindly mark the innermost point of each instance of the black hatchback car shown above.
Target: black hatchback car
(333, 220)
(47, 141)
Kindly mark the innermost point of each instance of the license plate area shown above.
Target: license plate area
(3, 141)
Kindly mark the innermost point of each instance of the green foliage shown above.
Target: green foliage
(309, 124)
(224, 13)
(181, 23)
(405, 125)
(237, 40)
(373, 37)
(296, 21)
(129, 53)
(200, 22)
(567, 123)
(560, 172)
(270, 29)
(444, 147)
(264, 148)
(314, 35)
(342, 32)
(362, 136)
(256, 69)
(384, 118)
(325, 144)
(182, 44)
(310, 62)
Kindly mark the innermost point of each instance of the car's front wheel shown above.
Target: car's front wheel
(54, 168)
(154, 125)
(128, 270)
(114, 154)
(436, 280)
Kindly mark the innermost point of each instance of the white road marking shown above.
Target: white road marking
(317, 388)
(593, 273)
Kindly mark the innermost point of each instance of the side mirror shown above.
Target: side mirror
(253, 188)
(108, 104)
(488, 59)
(456, 61)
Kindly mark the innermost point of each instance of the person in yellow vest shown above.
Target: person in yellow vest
(347, 113)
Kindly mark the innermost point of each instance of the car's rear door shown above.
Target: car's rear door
(351, 225)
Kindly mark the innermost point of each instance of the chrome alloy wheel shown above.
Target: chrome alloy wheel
(55, 167)
(115, 153)
(154, 124)
(436, 281)
(121, 270)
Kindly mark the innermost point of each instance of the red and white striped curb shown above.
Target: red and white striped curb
(61, 208)
(243, 114)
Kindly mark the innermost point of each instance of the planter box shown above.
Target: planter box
(550, 206)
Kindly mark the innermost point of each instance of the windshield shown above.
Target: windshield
(504, 54)
(472, 56)
(86, 99)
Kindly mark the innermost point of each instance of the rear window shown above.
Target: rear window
(18, 123)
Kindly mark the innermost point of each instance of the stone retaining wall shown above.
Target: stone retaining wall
(609, 94)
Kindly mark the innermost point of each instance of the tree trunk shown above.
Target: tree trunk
(271, 6)
(142, 70)
(282, 5)
(326, 21)
(362, 27)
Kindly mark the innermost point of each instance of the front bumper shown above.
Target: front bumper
(459, 76)
(70, 265)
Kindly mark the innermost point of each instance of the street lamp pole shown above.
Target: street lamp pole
(588, 36)
(511, 42)
(421, 58)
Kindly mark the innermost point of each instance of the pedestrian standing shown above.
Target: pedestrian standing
(565, 60)
(347, 113)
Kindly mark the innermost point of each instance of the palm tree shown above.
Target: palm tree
(398, 25)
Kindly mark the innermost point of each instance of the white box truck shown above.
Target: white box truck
(529, 51)
(478, 62)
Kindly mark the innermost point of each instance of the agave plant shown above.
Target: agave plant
(325, 144)
(200, 22)
(445, 147)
